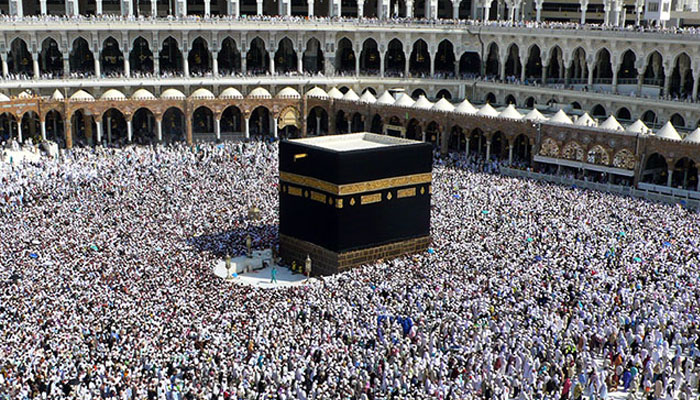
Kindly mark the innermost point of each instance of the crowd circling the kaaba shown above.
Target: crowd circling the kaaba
(529, 290)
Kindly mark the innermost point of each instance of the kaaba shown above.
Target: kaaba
(347, 200)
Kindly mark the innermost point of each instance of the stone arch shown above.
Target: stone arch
(370, 58)
(317, 122)
(602, 71)
(681, 76)
(457, 139)
(598, 155)
(173, 125)
(257, 58)
(444, 94)
(313, 57)
(55, 127)
(549, 148)
(260, 122)
(573, 151)
(555, 66)
(30, 126)
(598, 111)
(231, 120)
(413, 130)
(623, 114)
(499, 146)
(19, 59)
(490, 98)
(533, 68)
(677, 120)
(199, 58)
(510, 99)
(170, 59)
(530, 102)
(376, 125)
(492, 60)
(229, 58)
(578, 70)
(419, 63)
(395, 59)
(417, 93)
(576, 105)
(369, 89)
(445, 58)
(654, 73)
(513, 64)
(470, 64)
(141, 57)
(628, 66)
(655, 170)
(50, 59)
(625, 159)
(432, 133)
(358, 122)
(685, 174)
(522, 150)
(650, 118)
(345, 57)
(286, 56)
(143, 124)
(111, 58)
(114, 130)
(8, 126)
(477, 143)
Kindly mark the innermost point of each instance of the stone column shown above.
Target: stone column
(488, 150)
(640, 81)
(185, 64)
(129, 132)
(188, 128)
(357, 64)
(381, 64)
(466, 149)
(272, 61)
(260, 7)
(19, 131)
(35, 65)
(68, 129)
(127, 65)
(510, 155)
(360, 8)
(590, 74)
(215, 63)
(99, 132)
(98, 7)
(544, 73)
(98, 67)
(159, 128)
(154, 8)
(127, 7)
(207, 8)
(42, 6)
(432, 63)
(614, 80)
(318, 125)
(584, 8)
(455, 9)
(42, 125)
(244, 62)
(522, 70)
(670, 178)
(217, 127)
(409, 8)
(274, 128)
(109, 129)
(5, 69)
(247, 127)
(696, 82)
(667, 82)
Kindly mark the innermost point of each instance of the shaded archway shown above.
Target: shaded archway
(55, 128)
(432, 133)
(413, 130)
(203, 122)
(419, 10)
(655, 170)
(623, 114)
(530, 102)
(654, 74)
(513, 65)
(522, 150)
(419, 63)
(510, 99)
(490, 98)
(313, 57)
(397, 9)
(499, 146)
(555, 69)
(492, 61)
(8, 127)
(342, 122)
(30, 127)
(260, 122)
(141, 57)
(470, 64)
(358, 122)
(114, 130)
(317, 122)
(231, 120)
(285, 57)
(143, 126)
(395, 59)
(257, 58)
(377, 125)
(576, 105)
(50, 59)
(477, 143)
(19, 59)
(199, 58)
(445, 59)
(173, 125)
(444, 94)
(418, 93)
(677, 120)
(345, 57)
(649, 118)
(369, 58)
(627, 73)
(685, 174)
(578, 69)
(598, 111)
(533, 68)
(457, 141)
(170, 59)
(111, 58)
(391, 129)
(229, 58)
(602, 72)
(682, 77)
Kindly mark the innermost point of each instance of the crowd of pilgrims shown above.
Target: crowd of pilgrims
(529, 291)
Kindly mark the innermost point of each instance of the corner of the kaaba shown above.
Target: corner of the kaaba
(348, 200)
